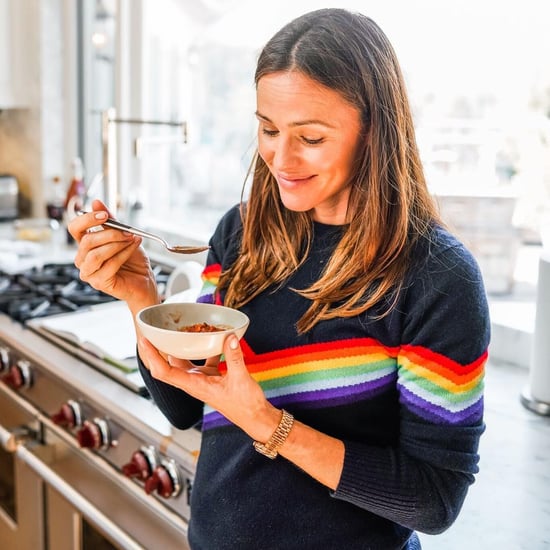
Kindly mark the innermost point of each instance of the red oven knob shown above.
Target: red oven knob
(19, 375)
(69, 415)
(142, 464)
(94, 434)
(4, 358)
(165, 480)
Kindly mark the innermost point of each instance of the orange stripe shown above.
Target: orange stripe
(450, 384)
(454, 374)
(428, 356)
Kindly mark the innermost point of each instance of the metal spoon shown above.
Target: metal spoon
(178, 249)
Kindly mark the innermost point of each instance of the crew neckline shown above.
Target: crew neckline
(320, 227)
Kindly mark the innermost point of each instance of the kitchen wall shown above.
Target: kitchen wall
(37, 142)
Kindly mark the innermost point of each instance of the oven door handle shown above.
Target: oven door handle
(10, 440)
(81, 504)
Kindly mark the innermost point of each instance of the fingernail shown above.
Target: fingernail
(100, 215)
(233, 343)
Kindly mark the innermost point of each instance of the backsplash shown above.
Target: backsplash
(37, 143)
(20, 155)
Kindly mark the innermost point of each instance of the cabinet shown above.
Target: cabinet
(15, 74)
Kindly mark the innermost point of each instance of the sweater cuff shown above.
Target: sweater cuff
(374, 481)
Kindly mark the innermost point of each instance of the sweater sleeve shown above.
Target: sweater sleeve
(182, 410)
(422, 481)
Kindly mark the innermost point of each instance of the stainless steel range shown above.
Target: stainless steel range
(86, 458)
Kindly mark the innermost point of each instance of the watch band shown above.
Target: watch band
(271, 448)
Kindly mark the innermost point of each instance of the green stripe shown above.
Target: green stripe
(326, 374)
(435, 389)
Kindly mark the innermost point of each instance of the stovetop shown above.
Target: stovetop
(51, 291)
(43, 376)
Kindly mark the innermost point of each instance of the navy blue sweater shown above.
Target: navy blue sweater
(404, 393)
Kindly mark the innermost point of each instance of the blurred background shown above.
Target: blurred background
(477, 73)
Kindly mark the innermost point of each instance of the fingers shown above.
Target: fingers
(88, 221)
(153, 360)
(99, 248)
(81, 225)
(97, 205)
(146, 351)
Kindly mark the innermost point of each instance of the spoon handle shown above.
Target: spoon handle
(115, 224)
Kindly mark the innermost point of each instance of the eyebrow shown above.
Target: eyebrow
(298, 122)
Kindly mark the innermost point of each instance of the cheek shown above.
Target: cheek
(265, 150)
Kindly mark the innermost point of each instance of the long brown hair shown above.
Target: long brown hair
(389, 205)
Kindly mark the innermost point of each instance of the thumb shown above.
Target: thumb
(232, 351)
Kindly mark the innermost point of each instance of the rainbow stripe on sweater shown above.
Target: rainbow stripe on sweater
(210, 278)
(432, 386)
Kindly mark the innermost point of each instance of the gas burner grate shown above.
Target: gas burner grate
(51, 289)
(46, 290)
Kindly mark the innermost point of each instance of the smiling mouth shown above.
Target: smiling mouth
(293, 180)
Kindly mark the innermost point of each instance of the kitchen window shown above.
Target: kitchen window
(192, 61)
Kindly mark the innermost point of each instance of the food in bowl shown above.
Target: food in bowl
(204, 327)
(167, 326)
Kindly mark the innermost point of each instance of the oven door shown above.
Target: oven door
(21, 494)
(21, 501)
(39, 511)
(59, 496)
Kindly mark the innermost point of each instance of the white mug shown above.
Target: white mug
(186, 276)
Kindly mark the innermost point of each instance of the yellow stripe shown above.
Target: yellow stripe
(437, 379)
(319, 365)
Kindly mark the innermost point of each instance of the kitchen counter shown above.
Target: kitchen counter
(118, 402)
(19, 254)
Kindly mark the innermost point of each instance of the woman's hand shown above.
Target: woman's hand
(112, 261)
(235, 394)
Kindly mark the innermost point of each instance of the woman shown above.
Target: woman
(363, 362)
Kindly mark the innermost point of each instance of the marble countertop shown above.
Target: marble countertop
(45, 245)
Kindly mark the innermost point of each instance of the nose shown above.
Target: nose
(283, 153)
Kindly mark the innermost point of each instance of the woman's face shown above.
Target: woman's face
(308, 135)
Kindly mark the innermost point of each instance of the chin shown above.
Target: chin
(297, 208)
(296, 204)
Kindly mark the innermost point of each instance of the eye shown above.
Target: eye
(312, 141)
(269, 133)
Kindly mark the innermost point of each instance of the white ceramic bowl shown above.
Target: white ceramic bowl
(162, 324)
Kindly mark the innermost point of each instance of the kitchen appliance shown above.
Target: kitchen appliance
(87, 460)
(536, 395)
(9, 197)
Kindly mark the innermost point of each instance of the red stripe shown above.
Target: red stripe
(212, 269)
(426, 358)
(437, 361)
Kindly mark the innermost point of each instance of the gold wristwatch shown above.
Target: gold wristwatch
(271, 448)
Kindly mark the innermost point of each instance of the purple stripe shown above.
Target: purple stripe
(337, 396)
(214, 420)
(319, 398)
(437, 414)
